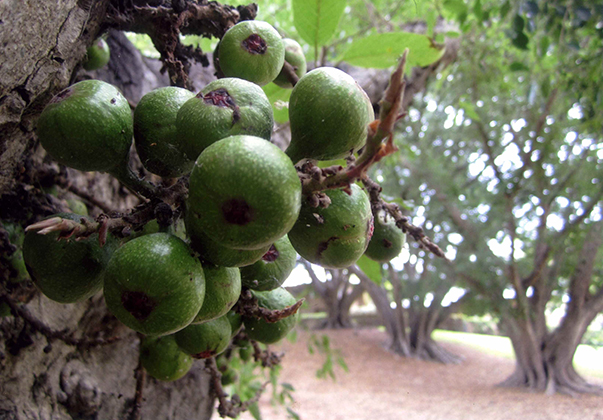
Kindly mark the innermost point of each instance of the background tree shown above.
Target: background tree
(505, 150)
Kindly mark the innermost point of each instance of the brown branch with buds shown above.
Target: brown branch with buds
(234, 406)
(266, 357)
(247, 305)
(402, 222)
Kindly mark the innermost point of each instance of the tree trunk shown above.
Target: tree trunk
(48, 370)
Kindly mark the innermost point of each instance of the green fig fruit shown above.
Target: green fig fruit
(77, 206)
(97, 55)
(336, 236)
(67, 270)
(87, 126)
(252, 50)
(329, 115)
(155, 131)
(162, 358)
(270, 332)
(236, 322)
(229, 376)
(154, 284)
(244, 192)
(387, 240)
(246, 352)
(272, 269)
(225, 107)
(294, 55)
(222, 290)
(213, 252)
(205, 340)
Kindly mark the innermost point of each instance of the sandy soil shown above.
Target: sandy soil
(384, 386)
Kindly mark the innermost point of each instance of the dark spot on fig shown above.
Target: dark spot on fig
(254, 44)
(204, 354)
(138, 304)
(113, 100)
(237, 212)
(219, 97)
(271, 255)
(65, 93)
(322, 247)
(387, 243)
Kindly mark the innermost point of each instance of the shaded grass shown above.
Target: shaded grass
(587, 360)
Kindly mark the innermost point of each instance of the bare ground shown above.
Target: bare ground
(384, 386)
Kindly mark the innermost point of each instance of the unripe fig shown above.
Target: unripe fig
(244, 192)
(229, 376)
(252, 50)
(236, 322)
(387, 240)
(154, 284)
(329, 114)
(155, 132)
(66, 270)
(225, 107)
(205, 340)
(162, 358)
(336, 236)
(272, 269)
(212, 252)
(294, 55)
(97, 55)
(87, 126)
(222, 290)
(270, 332)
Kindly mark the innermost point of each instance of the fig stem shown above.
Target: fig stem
(140, 187)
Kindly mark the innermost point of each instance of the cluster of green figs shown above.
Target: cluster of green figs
(245, 218)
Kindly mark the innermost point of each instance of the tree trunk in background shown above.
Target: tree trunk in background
(43, 42)
(544, 361)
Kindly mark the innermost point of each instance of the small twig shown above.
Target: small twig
(83, 194)
(63, 335)
(247, 305)
(402, 222)
(141, 375)
(233, 407)
(266, 357)
(289, 71)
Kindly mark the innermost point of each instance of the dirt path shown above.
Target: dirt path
(384, 386)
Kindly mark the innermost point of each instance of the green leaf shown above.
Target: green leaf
(371, 268)
(452, 34)
(279, 99)
(517, 66)
(255, 411)
(505, 9)
(456, 7)
(383, 50)
(293, 414)
(518, 23)
(317, 20)
(521, 41)
(478, 11)
(469, 109)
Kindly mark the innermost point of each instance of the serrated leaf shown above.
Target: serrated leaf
(279, 99)
(383, 50)
(371, 268)
(316, 20)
